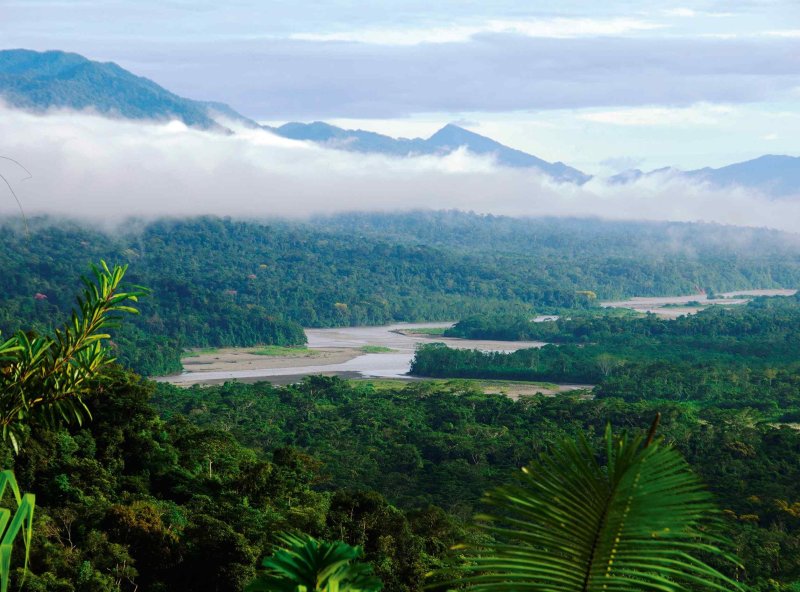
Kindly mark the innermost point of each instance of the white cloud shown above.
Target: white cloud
(573, 27)
(679, 12)
(785, 33)
(555, 28)
(684, 12)
(453, 34)
(85, 166)
(775, 33)
(700, 114)
(722, 36)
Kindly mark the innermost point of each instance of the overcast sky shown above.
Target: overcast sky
(600, 85)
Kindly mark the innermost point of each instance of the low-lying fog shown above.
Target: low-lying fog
(87, 166)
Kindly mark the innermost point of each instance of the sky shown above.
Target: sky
(602, 86)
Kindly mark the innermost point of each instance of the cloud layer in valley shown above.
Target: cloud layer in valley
(89, 167)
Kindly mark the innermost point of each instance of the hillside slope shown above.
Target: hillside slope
(39, 81)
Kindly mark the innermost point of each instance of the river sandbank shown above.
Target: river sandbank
(346, 351)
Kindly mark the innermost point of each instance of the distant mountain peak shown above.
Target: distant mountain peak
(38, 81)
(454, 133)
(454, 128)
(316, 130)
(775, 175)
(445, 140)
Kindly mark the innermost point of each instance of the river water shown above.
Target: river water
(394, 364)
(340, 349)
(681, 305)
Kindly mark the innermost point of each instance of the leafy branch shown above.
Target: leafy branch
(43, 377)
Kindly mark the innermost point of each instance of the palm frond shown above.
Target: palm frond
(302, 563)
(11, 527)
(637, 524)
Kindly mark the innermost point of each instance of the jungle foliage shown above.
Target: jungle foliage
(726, 356)
(190, 488)
(638, 523)
(435, 448)
(46, 378)
(218, 282)
(173, 489)
(301, 563)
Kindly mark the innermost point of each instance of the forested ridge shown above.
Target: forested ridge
(219, 282)
(769, 321)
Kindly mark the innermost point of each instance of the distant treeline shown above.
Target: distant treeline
(762, 317)
(746, 355)
(218, 282)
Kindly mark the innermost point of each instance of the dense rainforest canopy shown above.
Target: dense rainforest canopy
(169, 488)
(188, 490)
(728, 356)
(217, 282)
(438, 447)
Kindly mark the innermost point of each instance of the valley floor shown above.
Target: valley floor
(349, 352)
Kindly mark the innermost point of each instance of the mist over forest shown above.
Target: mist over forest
(105, 170)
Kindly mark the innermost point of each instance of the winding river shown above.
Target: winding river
(345, 351)
(332, 352)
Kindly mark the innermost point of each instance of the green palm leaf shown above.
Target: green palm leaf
(571, 525)
(11, 527)
(304, 564)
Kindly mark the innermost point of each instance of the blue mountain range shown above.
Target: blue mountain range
(38, 81)
(774, 175)
(451, 137)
